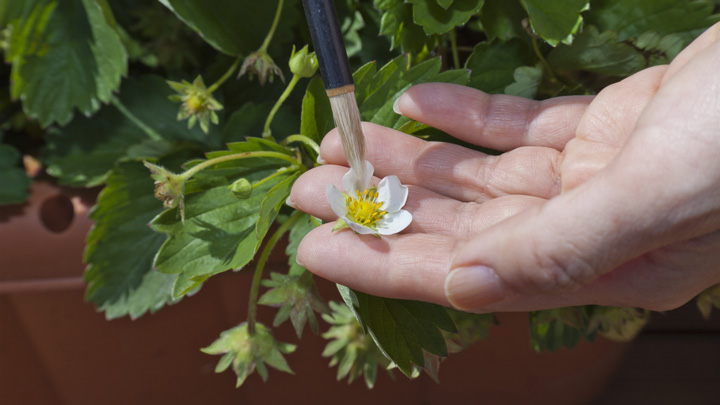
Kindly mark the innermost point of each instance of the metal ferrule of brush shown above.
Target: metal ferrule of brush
(329, 46)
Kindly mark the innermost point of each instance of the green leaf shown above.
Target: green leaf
(297, 232)
(235, 27)
(631, 18)
(376, 91)
(119, 283)
(527, 80)
(15, 183)
(271, 204)
(219, 230)
(248, 352)
(84, 152)
(556, 21)
(440, 17)
(397, 23)
(64, 57)
(402, 329)
(660, 49)
(493, 65)
(597, 53)
(317, 118)
(502, 19)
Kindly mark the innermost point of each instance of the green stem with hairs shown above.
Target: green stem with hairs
(304, 139)
(270, 34)
(224, 77)
(235, 156)
(278, 172)
(266, 129)
(257, 276)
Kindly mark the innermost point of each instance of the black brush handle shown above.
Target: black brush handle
(328, 42)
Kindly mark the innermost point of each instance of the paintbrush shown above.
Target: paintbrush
(337, 78)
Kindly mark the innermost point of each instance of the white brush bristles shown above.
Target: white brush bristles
(347, 118)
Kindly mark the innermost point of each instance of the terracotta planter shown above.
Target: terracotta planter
(56, 349)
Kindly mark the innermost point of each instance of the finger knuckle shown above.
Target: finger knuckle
(560, 270)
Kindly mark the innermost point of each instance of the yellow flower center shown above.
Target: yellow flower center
(195, 103)
(365, 209)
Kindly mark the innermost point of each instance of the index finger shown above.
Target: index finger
(495, 121)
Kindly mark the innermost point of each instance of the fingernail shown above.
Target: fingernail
(298, 262)
(395, 106)
(320, 160)
(289, 201)
(469, 288)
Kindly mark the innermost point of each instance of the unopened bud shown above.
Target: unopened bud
(241, 188)
(303, 63)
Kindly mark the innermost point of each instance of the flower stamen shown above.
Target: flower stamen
(364, 209)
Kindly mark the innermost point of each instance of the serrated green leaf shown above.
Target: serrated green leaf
(527, 80)
(493, 65)
(317, 119)
(402, 329)
(273, 201)
(64, 56)
(219, 230)
(556, 21)
(235, 27)
(502, 19)
(660, 49)
(122, 284)
(438, 17)
(380, 90)
(597, 53)
(397, 23)
(15, 183)
(84, 152)
(631, 18)
(377, 90)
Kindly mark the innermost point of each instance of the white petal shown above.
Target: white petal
(351, 182)
(392, 193)
(363, 230)
(337, 200)
(394, 222)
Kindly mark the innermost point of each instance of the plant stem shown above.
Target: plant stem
(270, 34)
(135, 120)
(224, 77)
(235, 156)
(536, 48)
(304, 139)
(257, 276)
(454, 49)
(272, 176)
(276, 107)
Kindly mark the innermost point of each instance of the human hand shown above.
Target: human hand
(611, 200)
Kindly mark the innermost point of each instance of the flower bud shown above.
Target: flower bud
(241, 188)
(302, 63)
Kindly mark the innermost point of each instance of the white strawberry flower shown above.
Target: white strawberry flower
(369, 210)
